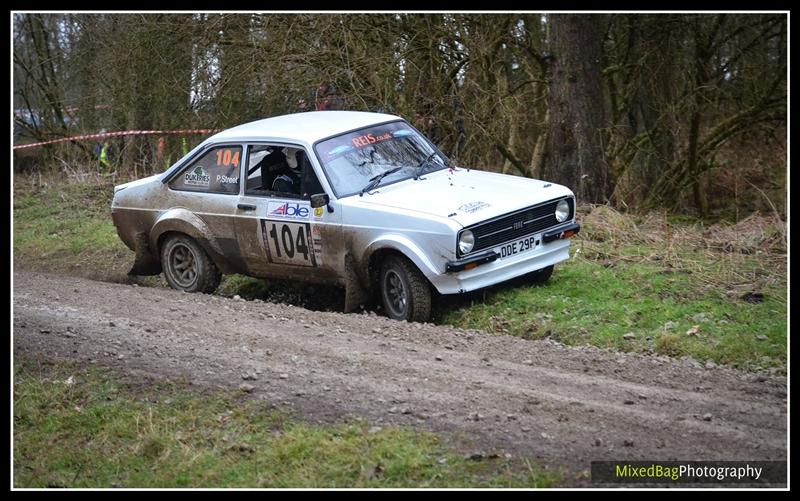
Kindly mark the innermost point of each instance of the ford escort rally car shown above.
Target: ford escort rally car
(355, 199)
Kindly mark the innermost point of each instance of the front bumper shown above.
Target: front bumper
(471, 262)
(489, 269)
(564, 232)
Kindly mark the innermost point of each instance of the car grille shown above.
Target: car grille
(533, 219)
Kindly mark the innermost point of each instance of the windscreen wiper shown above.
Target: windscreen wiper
(376, 180)
(423, 164)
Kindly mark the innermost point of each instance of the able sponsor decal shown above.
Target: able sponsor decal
(197, 177)
(289, 210)
(473, 207)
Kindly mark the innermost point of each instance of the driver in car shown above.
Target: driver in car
(289, 180)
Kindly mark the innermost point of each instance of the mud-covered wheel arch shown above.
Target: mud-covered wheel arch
(182, 221)
(145, 262)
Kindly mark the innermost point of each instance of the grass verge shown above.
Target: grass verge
(80, 426)
(66, 227)
(653, 283)
(650, 285)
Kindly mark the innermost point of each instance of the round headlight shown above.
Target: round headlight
(562, 211)
(466, 241)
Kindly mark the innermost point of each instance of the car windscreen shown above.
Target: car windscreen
(352, 159)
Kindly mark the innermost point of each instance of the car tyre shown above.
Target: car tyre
(540, 276)
(187, 266)
(405, 291)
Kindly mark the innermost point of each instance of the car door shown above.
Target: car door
(280, 234)
(209, 187)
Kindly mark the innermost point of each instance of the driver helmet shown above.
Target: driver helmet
(291, 159)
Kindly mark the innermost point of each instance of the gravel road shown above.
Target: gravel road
(564, 406)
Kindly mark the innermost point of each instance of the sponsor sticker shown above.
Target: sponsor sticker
(340, 149)
(227, 179)
(316, 239)
(197, 177)
(367, 139)
(289, 210)
(317, 211)
(473, 207)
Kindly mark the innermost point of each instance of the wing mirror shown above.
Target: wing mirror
(321, 200)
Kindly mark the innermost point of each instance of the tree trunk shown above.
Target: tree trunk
(576, 106)
(539, 152)
(232, 96)
(697, 191)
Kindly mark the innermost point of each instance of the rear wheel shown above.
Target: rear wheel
(187, 266)
(405, 291)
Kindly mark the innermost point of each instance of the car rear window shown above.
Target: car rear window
(216, 171)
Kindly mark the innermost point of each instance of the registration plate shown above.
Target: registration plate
(524, 244)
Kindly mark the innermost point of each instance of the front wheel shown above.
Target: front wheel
(187, 266)
(405, 291)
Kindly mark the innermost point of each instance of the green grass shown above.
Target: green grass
(87, 427)
(67, 227)
(676, 284)
(655, 281)
(588, 303)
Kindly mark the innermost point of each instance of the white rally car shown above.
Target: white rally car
(361, 200)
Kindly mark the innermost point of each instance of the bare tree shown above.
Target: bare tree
(576, 105)
(642, 110)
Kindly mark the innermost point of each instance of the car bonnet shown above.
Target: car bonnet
(465, 196)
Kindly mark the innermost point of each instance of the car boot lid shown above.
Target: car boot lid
(137, 182)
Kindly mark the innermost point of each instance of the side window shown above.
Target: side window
(280, 171)
(217, 171)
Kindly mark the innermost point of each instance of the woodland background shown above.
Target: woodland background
(680, 112)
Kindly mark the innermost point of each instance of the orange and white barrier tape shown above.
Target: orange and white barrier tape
(106, 135)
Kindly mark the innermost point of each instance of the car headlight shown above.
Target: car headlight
(466, 241)
(562, 211)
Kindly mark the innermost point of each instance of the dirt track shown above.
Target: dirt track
(495, 394)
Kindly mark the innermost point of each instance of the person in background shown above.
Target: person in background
(427, 125)
(322, 98)
(101, 150)
(161, 148)
(327, 97)
(303, 106)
